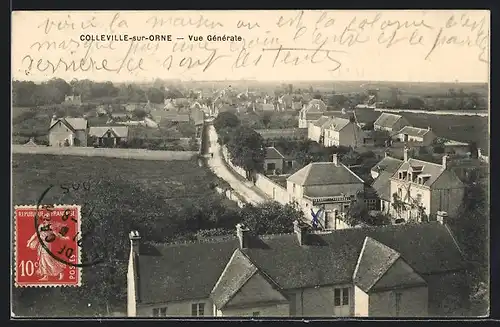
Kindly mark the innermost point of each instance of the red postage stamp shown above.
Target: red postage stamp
(47, 251)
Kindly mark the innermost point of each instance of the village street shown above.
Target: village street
(218, 166)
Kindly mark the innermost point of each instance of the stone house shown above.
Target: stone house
(325, 187)
(390, 122)
(68, 131)
(108, 136)
(420, 136)
(420, 188)
(273, 160)
(390, 271)
(342, 132)
(381, 174)
(311, 112)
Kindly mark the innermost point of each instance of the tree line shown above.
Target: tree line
(28, 94)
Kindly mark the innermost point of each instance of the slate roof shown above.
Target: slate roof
(413, 131)
(374, 261)
(99, 131)
(321, 121)
(430, 168)
(273, 153)
(73, 123)
(324, 173)
(190, 271)
(387, 164)
(237, 272)
(366, 115)
(337, 124)
(387, 120)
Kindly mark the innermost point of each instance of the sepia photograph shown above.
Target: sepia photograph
(252, 164)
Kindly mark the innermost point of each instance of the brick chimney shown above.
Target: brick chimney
(445, 161)
(442, 217)
(335, 159)
(386, 154)
(243, 234)
(405, 154)
(301, 231)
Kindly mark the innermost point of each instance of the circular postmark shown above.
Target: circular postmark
(62, 223)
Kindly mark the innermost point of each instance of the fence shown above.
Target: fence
(231, 195)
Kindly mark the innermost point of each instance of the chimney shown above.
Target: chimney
(386, 154)
(135, 240)
(405, 154)
(445, 161)
(442, 217)
(301, 230)
(335, 159)
(429, 128)
(243, 234)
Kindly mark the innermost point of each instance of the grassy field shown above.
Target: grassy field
(32, 174)
(458, 128)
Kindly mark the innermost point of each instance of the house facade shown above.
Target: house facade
(342, 132)
(381, 174)
(390, 122)
(325, 189)
(68, 131)
(311, 112)
(422, 136)
(421, 189)
(108, 136)
(405, 270)
(73, 99)
(273, 161)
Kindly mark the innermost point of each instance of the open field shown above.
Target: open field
(32, 174)
(458, 128)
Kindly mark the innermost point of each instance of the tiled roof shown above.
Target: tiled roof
(366, 115)
(237, 272)
(387, 120)
(413, 131)
(428, 168)
(374, 261)
(190, 271)
(387, 164)
(273, 153)
(99, 131)
(337, 124)
(321, 121)
(74, 123)
(324, 173)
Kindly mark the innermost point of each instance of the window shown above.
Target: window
(256, 314)
(160, 312)
(341, 297)
(400, 192)
(271, 166)
(398, 303)
(198, 309)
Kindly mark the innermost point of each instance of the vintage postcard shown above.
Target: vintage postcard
(256, 164)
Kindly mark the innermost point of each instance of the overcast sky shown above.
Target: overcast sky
(434, 46)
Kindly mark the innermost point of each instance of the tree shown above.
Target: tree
(266, 119)
(270, 217)
(246, 148)
(140, 113)
(358, 211)
(226, 120)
